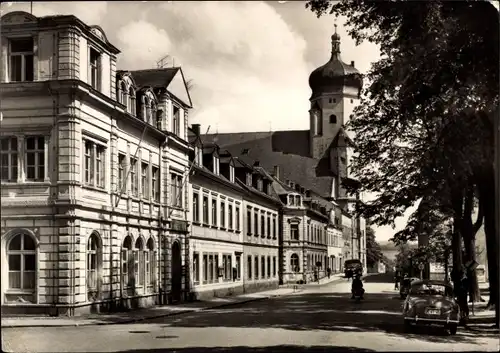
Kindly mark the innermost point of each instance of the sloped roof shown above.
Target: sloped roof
(155, 78)
(281, 148)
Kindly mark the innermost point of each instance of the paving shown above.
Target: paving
(316, 319)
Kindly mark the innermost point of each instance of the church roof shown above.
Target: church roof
(286, 149)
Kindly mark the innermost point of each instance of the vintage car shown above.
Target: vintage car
(404, 288)
(431, 302)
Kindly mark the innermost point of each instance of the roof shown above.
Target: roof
(286, 149)
(155, 78)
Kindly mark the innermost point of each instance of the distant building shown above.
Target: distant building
(316, 159)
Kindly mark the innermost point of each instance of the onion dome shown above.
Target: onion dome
(335, 74)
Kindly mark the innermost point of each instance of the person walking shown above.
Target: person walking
(397, 280)
(328, 272)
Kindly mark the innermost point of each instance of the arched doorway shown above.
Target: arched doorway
(176, 268)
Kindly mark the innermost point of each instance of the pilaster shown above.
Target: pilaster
(69, 54)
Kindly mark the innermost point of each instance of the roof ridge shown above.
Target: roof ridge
(155, 69)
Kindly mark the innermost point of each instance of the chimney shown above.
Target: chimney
(276, 172)
(308, 193)
(291, 184)
(256, 163)
(352, 63)
(297, 187)
(302, 190)
(196, 129)
(287, 182)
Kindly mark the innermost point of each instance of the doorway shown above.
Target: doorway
(176, 271)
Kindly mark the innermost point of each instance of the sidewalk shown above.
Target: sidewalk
(337, 277)
(141, 314)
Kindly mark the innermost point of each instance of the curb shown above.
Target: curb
(138, 319)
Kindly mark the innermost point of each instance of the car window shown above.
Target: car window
(430, 289)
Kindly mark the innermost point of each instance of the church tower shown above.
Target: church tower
(335, 92)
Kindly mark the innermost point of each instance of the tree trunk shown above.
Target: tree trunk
(470, 255)
(491, 233)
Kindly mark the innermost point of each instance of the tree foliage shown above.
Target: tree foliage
(373, 250)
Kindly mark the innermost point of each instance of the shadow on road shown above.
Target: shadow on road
(387, 277)
(278, 349)
(325, 311)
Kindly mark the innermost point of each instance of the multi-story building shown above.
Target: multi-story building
(319, 158)
(261, 226)
(93, 167)
(216, 239)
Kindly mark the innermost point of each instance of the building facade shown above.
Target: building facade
(94, 161)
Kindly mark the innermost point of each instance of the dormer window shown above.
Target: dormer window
(231, 173)
(259, 184)
(249, 179)
(131, 97)
(144, 108)
(94, 69)
(122, 93)
(152, 112)
(199, 156)
(216, 165)
(297, 200)
(176, 120)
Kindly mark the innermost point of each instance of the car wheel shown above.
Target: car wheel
(452, 329)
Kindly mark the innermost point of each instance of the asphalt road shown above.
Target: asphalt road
(320, 319)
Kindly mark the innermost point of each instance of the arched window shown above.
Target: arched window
(144, 107)
(123, 91)
(127, 263)
(152, 113)
(139, 262)
(131, 96)
(333, 119)
(93, 266)
(294, 263)
(150, 257)
(22, 266)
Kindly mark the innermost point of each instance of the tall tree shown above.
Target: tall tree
(373, 251)
(424, 120)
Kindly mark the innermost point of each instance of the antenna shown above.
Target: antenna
(160, 64)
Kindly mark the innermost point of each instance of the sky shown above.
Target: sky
(249, 62)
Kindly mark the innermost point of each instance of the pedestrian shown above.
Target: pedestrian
(328, 271)
(460, 288)
(397, 280)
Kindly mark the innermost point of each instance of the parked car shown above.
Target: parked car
(431, 302)
(404, 288)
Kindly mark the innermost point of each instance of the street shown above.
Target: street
(318, 319)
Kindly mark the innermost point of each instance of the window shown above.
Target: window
(294, 231)
(256, 223)
(227, 267)
(205, 209)
(196, 209)
(268, 227)
(256, 266)
(237, 215)
(269, 267)
(297, 200)
(121, 172)
(333, 119)
(216, 268)
(343, 160)
(176, 120)
(223, 214)
(9, 158)
(230, 216)
(308, 232)
(156, 184)
(318, 124)
(144, 108)
(95, 69)
(21, 254)
(249, 266)
(152, 113)
(139, 262)
(21, 59)
(150, 260)
(263, 267)
(127, 262)
(274, 266)
(249, 222)
(122, 93)
(231, 173)
(214, 212)
(145, 180)
(93, 263)
(35, 158)
(196, 267)
(205, 267)
(94, 164)
(216, 165)
(238, 267)
(176, 189)
(294, 263)
(274, 227)
(134, 178)
(262, 226)
(132, 103)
